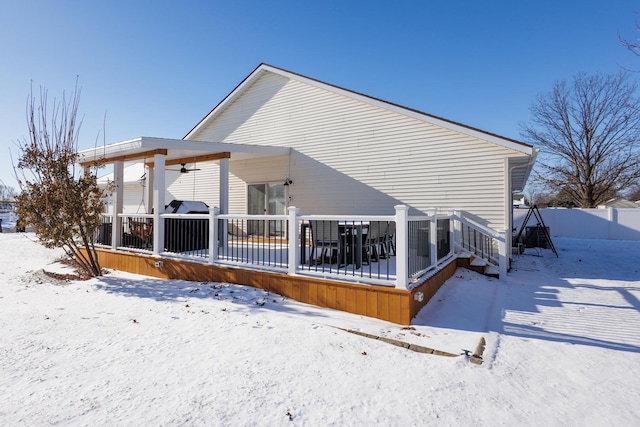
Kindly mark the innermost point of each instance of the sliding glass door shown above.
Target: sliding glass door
(266, 199)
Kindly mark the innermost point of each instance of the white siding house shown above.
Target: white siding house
(353, 154)
(375, 169)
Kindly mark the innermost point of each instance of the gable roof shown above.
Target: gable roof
(416, 114)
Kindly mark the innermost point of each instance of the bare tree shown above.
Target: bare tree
(7, 193)
(588, 132)
(60, 203)
(535, 190)
(632, 45)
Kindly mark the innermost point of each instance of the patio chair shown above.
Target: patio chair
(374, 239)
(330, 239)
(388, 246)
(236, 229)
(143, 230)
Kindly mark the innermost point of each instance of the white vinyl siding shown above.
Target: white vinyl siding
(273, 169)
(207, 180)
(351, 157)
(180, 186)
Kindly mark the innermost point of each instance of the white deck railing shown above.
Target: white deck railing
(391, 250)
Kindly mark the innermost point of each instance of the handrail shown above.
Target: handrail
(250, 217)
(479, 227)
(348, 218)
(185, 215)
(136, 215)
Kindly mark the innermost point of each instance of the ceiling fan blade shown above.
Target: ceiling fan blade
(183, 169)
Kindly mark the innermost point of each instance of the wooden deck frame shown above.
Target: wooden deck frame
(390, 304)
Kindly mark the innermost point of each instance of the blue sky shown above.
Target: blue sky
(155, 68)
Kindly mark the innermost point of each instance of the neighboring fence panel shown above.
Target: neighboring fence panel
(607, 224)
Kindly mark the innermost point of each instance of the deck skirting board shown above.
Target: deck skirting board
(390, 304)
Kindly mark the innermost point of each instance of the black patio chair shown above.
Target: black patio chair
(388, 246)
(329, 237)
(374, 240)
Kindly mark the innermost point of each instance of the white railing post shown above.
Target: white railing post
(503, 257)
(433, 236)
(402, 246)
(213, 234)
(456, 228)
(294, 254)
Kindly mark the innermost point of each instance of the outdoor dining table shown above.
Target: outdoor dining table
(351, 245)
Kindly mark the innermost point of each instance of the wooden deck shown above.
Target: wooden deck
(394, 305)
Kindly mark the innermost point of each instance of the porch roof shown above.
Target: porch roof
(177, 151)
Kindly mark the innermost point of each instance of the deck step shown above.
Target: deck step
(491, 271)
(477, 264)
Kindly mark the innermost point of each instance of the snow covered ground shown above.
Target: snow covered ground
(563, 348)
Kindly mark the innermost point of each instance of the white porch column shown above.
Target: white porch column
(158, 203)
(433, 236)
(402, 246)
(118, 203)
(148, 202)
(224, 186)
(294, 253)
(503, 259)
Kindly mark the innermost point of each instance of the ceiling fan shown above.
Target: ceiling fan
(184, 169)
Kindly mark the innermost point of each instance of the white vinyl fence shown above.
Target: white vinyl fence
(607, 224)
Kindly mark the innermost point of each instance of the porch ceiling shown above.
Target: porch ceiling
(176, 150)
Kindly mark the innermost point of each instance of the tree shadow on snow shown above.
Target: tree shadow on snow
(181, 291)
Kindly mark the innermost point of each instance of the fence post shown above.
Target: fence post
(294, 254)
(433, 236)
(213, 234)
(402, 246)
(503, 257)
(613, 223)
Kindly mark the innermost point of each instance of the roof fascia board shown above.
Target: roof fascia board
(110, 150)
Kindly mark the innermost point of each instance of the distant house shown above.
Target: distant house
(619, 203)
(280, 140)
(136, 194)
